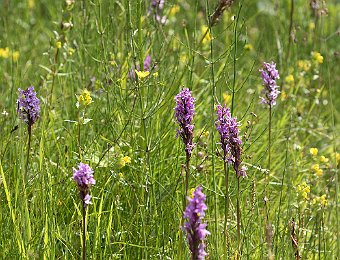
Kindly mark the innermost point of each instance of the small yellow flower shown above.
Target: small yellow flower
(205, 134)
(248, 47)
(316, 169)
(123, 160)
(206, 33)
(58, 45)
(15, 56)
(289, 79)
(313, 151)
(304, 65)
(174, 10)
(303, 189)
(142, 74)
(226, 97)
(121, 175)
(283, 95)
(31, 4)
(311, 26)
(183, 58)
(126, 159)
(85, 98)
(317, 57)
(319, 172)
(4, 52)
(323, 200)
(337, 155)
(71, 51)
(323, 159)
(191, 192)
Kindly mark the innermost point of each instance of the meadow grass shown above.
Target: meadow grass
(62, 48)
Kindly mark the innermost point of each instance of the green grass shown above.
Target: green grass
(137, 209)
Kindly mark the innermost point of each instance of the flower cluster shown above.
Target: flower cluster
(317, 57)
(303, 190)
(269, 76)
(194, 228)
(227, 127)
(184, 114)
(83, 176)
(123, 160)
(28, 106)
(6, 53)
(84, 99)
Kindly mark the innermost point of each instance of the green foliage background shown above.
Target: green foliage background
(137, 209)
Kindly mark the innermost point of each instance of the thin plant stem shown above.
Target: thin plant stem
(54, 72)
(281, 192)
(84, 231)
(29, 129)
(213, 92)
(238, 216)
(234, 65)
(290, 28)
(266, 199)
(187, 174)
(78, 135)
(269, 140)
(226, 202)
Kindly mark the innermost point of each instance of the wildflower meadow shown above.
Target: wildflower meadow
(166, 129)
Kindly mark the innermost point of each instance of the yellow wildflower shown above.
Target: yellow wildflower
(58, 45)
(323, 200)
(337, 155)
(248, 47)
(71, 51)
(283, 95)
(183, 58)
(191, 192)
(313, 151)
(311, 26)
(289, 79)
(303, 189)
(317, 57)
(316, 169)
(142, 74)
(4, 52)
(226, 97)
(319, 172)
(15, 56)
(85, 98)
(174, 10)
(126, 159)
(205, 134)
(123, 160)
(323, 159)
(31, 4)
(121, 175)
(304, 65)
(206, 33)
